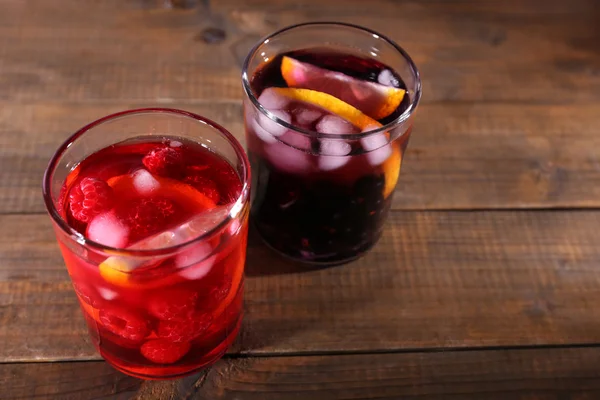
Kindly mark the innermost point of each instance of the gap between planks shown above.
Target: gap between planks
(277, 354)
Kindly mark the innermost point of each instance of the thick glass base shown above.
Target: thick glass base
(169, 372)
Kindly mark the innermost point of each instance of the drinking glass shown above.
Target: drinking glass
(323, 197)
(150, 314)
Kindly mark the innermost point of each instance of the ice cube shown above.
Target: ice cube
(107, 294)
(329, 163)
(377, 148)
(271, 100)
(199, 270)
(374, 141)
(144, 182)
(262, 134)
(387, 78)
(158, 241)
(196, 253)
(108, 230)
(196, 226)
(335, 147)
(175, 143)
(335, 126)
(306, 117)
(288, 159)
(196, 262)
(334, 152)
(297, 140)
(204, 222)
(274, 128)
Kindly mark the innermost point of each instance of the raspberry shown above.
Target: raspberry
(204, 185)
(164, 161)
(176, 304)
(161, 351)
(89, 198)
(147, 216)
(183, 331)
(124, 323)
(107, 336)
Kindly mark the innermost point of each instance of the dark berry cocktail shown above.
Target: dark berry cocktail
(326, 129)
(153, 229)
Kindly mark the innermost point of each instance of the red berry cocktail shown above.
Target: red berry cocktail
(150, 209)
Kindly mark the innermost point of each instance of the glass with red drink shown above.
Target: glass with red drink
(150, 210)
(328, 113)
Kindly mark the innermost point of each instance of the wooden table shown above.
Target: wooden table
(486, 283)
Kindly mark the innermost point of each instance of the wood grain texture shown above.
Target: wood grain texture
(435, 280)
(509, 120)
(491, 138)
(490, 375)
(136, 50)
(460, 156)
(65, 381)
(541, 374)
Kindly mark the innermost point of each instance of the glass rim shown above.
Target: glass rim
(412, 106)
(235, 211)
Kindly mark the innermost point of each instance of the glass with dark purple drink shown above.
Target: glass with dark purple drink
(328, 114)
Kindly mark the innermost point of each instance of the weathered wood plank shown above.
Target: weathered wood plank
(542, 374)
(436, 280)
(65, 381)
(490, 375)
(460, 156)
(137, 51)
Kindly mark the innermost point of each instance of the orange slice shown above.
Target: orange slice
(331, 104)
(115, 276)
(391, 170)
(123, 187)
(374, 99)
(116, 269)
(89, 310)
(236, 279)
